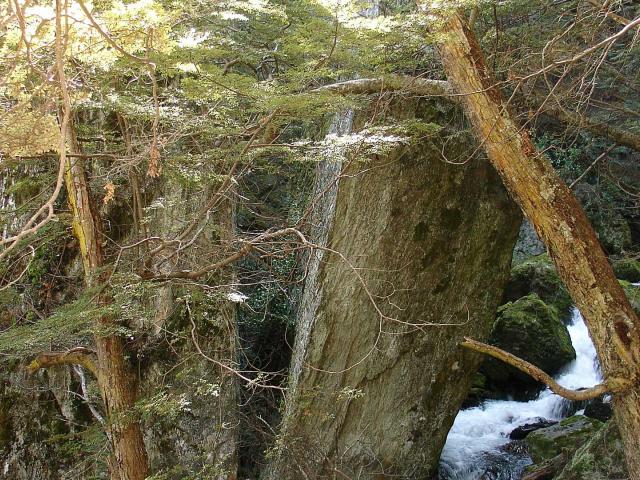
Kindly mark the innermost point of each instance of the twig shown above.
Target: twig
(590, 167)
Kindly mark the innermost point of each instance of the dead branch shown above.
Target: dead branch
(608, 13)
(76, 356)
(242, 252)
(612, 385)
(391, 83)
(618, 135)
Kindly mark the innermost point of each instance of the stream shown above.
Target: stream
(478, 445)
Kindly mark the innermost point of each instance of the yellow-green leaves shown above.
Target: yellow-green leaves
(27, 133)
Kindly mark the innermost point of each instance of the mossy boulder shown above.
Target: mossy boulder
(532, 330)
(601, 458)
(538, 275)
(564, 437)
(627, 269)
(633, 294)
(613, 231)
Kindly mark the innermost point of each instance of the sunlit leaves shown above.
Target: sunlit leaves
(27, 133)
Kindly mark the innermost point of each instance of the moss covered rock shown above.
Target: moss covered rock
(627, 269)
(613, 231)
(633, 294)
(564, 437)
(538, 275)
(533, 331)
(601, 458)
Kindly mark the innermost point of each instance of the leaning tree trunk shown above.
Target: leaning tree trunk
(115, 378)
(559, 221)
(421, 249)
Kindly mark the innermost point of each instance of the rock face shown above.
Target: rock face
(38, 416)
(578, 448)
(187, 406)
(420, 251)
(528, 244)
(531, 330)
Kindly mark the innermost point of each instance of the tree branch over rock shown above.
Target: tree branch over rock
(441, 88)
(612, 385)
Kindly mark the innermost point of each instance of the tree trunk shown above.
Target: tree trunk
(560, 223)
(116, 381)
(374, 396)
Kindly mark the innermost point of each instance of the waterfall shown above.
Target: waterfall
(476, 442)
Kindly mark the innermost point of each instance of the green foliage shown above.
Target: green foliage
(163, 404)
(69, 326)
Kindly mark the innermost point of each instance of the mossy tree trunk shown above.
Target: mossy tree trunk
(560, 222)
(423, 251)
(115, 377)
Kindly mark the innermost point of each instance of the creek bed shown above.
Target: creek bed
(478, 444)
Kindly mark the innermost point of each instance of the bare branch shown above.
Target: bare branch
(590, 167)
(391, 83)
(618, 135)
(76, 356)
(612, 385)
(608, 13)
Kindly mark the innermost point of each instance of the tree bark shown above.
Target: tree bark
(560, 222)
(115, 378)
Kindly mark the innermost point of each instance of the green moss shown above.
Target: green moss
(538, 275)
(627, 269)
(567, 437)
(601, 458)
(533, 331)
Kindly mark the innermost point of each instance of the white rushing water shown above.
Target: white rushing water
(475, 447)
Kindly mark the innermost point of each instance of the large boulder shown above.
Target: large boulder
(538, 275)
(420, 250)
(531, 330)
(565, 437)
